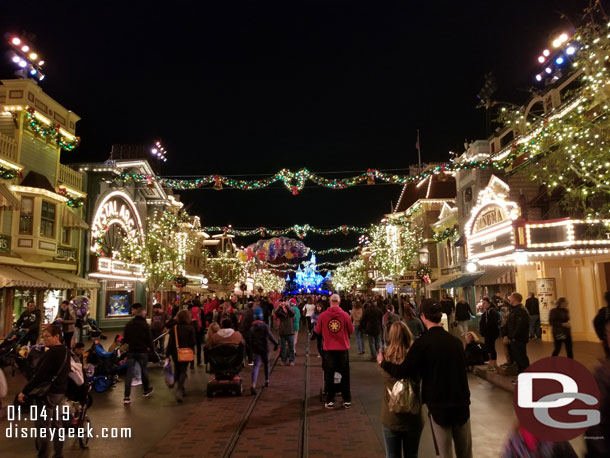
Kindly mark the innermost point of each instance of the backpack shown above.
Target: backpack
(76, 372)
(405, 397)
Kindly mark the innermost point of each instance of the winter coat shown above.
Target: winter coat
(518, 324)
(335, 327)
(557, 318)
(286, 317)
(462, 311)
(186, 338)
(138, 336)
(488, 326)
(259, 336)
(371, 321)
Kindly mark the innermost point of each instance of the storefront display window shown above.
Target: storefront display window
(118, 303)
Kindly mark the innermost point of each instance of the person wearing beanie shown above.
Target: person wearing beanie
(260, 335)
(335, 326)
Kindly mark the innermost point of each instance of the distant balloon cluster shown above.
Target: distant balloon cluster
(272, 249)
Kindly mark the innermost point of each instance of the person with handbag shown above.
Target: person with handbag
(438, 358)
(181, 345)
(401, 419)
(138, 336)
(559, 318)
(48, 387)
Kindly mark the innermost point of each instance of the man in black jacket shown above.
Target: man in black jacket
(138, 336)
(30, 321)
(285, 314)
(54, 366)
(533, 308)
(245, 323)
(438, 358)
(371, 323)
(517, 332)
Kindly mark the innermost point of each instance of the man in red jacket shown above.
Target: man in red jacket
(335, 327)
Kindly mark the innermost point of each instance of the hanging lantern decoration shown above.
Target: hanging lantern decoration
(370, 177)
(217, 183)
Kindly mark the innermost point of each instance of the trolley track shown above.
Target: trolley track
(303, 438)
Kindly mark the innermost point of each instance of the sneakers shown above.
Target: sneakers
(329, 405)
(292, 363)
(147, 392)
(250, 364)
(136, 382)
(126, 401)
(347, 405)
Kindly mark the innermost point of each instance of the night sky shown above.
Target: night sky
(250, 87)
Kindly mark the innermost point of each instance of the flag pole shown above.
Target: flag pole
(418, 151)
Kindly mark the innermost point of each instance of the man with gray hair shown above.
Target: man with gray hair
(335, 327)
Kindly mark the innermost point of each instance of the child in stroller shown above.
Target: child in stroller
(226, 362)
(102, 367)
(10, 346)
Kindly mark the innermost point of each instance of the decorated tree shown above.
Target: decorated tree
(394, 248)
(169, 237)
(225, 270)
(350, 275)
(569, 147)
(270, 281)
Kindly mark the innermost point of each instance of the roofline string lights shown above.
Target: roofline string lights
(28, 61)
(552, 60)
(295, 181)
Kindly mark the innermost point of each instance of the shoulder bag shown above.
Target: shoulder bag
(185, 355)
(43, 388)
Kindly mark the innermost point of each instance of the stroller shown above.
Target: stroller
(157, 355)
(94, 330)
(226, 362)
(9, 348)
(106, 365)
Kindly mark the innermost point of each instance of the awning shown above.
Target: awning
(436, 284)
(8, 200)
(196, 289)
(497, 276)
(77, 282)
(10, 276)
(70, 219)
(50, 281)
(460, 282)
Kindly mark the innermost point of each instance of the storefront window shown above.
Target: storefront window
(118, 303)
(25, 216)
(66, 236)
(47, 219)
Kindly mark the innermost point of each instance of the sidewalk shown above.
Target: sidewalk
(586, 353)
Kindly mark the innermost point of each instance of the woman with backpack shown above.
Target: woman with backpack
(401, 428)
(489, 328)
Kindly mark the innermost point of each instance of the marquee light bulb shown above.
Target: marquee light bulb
(548, 70)
(541, 59)
(571, 50)
(563, 37)
(538, 77)
(546, 53)
(22, 63)
(16, 41)
(25, 48)
(556, 43)
(16, 59)
(33, 56)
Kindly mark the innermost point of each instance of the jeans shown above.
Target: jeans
(518, 353)
(142, 360)
(401, 443)
(180, 375)
(568, 342)
(535, 329)
(260, 359)
(50, 401)
(248, 339)
(374, 345)
(458, 434)
(462, 327)
(336, 361)
(309, 324)
(287, 348)
(359, 338)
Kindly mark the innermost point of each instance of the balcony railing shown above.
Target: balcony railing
(70, 177)
(8, 148)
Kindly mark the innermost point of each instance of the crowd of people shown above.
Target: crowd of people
(426, 347)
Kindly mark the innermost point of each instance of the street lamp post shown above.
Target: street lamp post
(424, 259)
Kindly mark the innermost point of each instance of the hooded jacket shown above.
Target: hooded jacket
(226, 336)
(335, 326)
(259, 335)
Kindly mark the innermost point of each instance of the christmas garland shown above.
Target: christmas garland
(49, 132)
(295, 181)
(74, 202)
(300, 231)
(423, 273)
(335, 251)
(7, 173)
(449, 233)
(180, 281)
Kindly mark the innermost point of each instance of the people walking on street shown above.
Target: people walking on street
(600, 321)
(401, 431)
(559, 319)
(335, 326)
(389, 318)
(67, 318)
(308, 310)
(490, 331)
(517, 332)
(314, 321)
(463, 314)
(138, 336)
(30, 321)
(371, 323)
(356, 315)
(198, 323)
(247, 318)
(413, 323)
(533, 308)
(297, 322)
(181, 335)
(438, 358)
(285, 315)
(157, 324)
(53, 368)
(260, 335)
(448, 308)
